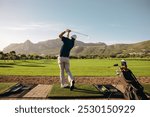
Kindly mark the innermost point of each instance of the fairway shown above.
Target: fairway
(79, 67)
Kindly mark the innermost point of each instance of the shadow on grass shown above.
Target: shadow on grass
(5, 66)
(85, 91)
(30, 65)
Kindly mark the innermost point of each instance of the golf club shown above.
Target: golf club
(80, 33)
(133, 89)
(117, 73)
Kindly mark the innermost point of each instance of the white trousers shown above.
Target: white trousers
(64, 64)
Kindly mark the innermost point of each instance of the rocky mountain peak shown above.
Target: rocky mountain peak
(28, 42)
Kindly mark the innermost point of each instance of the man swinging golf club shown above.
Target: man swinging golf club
(63, 58)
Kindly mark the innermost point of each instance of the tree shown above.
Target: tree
(12, 55)
(5, 57)
(23, 57)
(30, 57)
(1, 55)
(113, 55)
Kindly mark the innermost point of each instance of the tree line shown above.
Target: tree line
(13, 56)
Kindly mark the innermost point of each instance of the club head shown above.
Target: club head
(116, 65)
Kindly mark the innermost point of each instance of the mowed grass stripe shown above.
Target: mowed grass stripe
(79, 67)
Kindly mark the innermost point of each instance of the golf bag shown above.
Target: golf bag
(133, 89)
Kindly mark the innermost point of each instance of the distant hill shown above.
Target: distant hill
(132, 49)
(52, 47)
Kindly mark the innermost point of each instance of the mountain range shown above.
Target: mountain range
(52, 47)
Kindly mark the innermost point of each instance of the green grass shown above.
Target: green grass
(80, 91)
(79, 67)
(147, 88)
(5, 86)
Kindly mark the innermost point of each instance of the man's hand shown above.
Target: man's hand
(68, 30)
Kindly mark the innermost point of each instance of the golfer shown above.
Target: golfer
(63, 58)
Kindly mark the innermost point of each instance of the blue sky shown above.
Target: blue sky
(109, 21)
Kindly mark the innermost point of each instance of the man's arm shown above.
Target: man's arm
(61, 34)
(68, 30)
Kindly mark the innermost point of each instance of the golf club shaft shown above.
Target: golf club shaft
(80, 33)
(114, 86)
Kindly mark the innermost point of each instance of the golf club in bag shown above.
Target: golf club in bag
(133, 89)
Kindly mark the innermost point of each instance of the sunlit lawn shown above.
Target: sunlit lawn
(79, 67)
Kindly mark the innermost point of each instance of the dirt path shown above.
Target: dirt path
(44, 83)
(54, 80)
